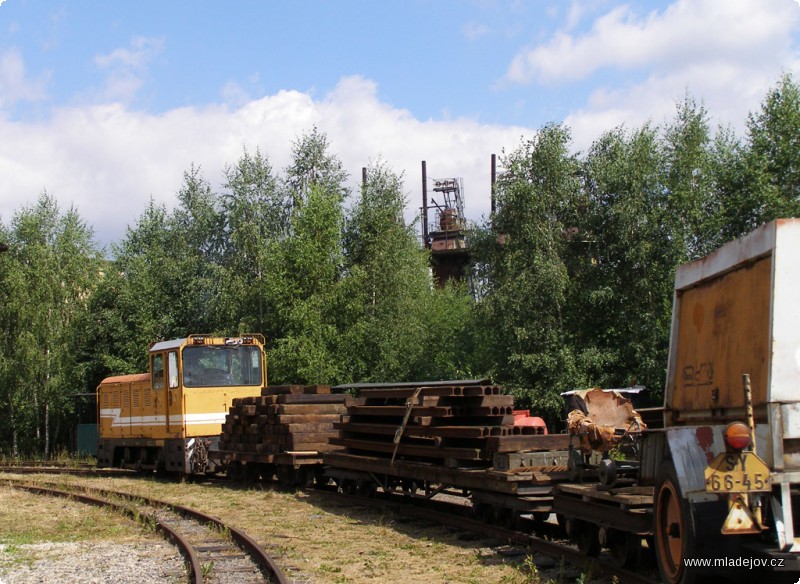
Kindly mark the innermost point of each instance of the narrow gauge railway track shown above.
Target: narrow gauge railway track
(82, 470)
(200, 538)
(457, 516)
(47, 463)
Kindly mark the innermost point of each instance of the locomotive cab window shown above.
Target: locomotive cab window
(172, 369)
(157, 367)
(221, 366)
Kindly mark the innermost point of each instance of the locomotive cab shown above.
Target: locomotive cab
(169, 418)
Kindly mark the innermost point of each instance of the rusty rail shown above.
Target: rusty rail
(186, 549)
(260, 557)
(29, 468)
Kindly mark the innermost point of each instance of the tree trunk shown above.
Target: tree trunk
(14, 436)
(37, 416)
(47, 401)
(46, 431)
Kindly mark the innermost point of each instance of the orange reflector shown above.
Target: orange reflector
(737, 435)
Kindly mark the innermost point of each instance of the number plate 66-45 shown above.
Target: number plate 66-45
(742, 472)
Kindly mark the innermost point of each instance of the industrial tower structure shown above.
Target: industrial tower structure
(443, 227)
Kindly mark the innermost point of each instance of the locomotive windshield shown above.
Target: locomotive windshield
(212, 366)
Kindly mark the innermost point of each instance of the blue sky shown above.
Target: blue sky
(106, 104)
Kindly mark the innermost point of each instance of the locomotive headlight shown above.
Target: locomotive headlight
(737, 436)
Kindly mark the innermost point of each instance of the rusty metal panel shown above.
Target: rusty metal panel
(774, 310)
(692, 449)
(724, 332)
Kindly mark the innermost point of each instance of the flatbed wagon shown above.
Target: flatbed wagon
(495, 494)
(292, 468)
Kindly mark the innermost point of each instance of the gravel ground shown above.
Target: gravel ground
(91, 563)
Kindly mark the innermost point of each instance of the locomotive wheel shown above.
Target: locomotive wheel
(587, 538)
(674, 529)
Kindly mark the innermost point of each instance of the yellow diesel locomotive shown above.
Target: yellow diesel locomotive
(170, 418)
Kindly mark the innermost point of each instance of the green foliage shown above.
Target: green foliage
(45, 280)
(255, 216)
(309, 267)
(688, 184)
(526, 280)
(775, 148)
(622, 264)
(305, 268)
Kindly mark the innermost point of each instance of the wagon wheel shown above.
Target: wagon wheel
(561, 525)
(509, 518)
(625, 548)
(250, 472)
(674, 529)
(587, 538)
(484, 512)
(235, 470)
(287, 477)
(410, 486)
(367, 488)
(539, 521)
(349, 486)
(305, 477)
(267, 471)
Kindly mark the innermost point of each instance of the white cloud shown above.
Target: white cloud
(15, 84)
(127, 67)
(578, 9)
(234, 94)
(142, 50)
(108, 160)
(688, 31)
(474, 30)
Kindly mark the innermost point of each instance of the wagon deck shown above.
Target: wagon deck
(628, 509)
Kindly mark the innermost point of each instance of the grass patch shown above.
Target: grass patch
(26, 518)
